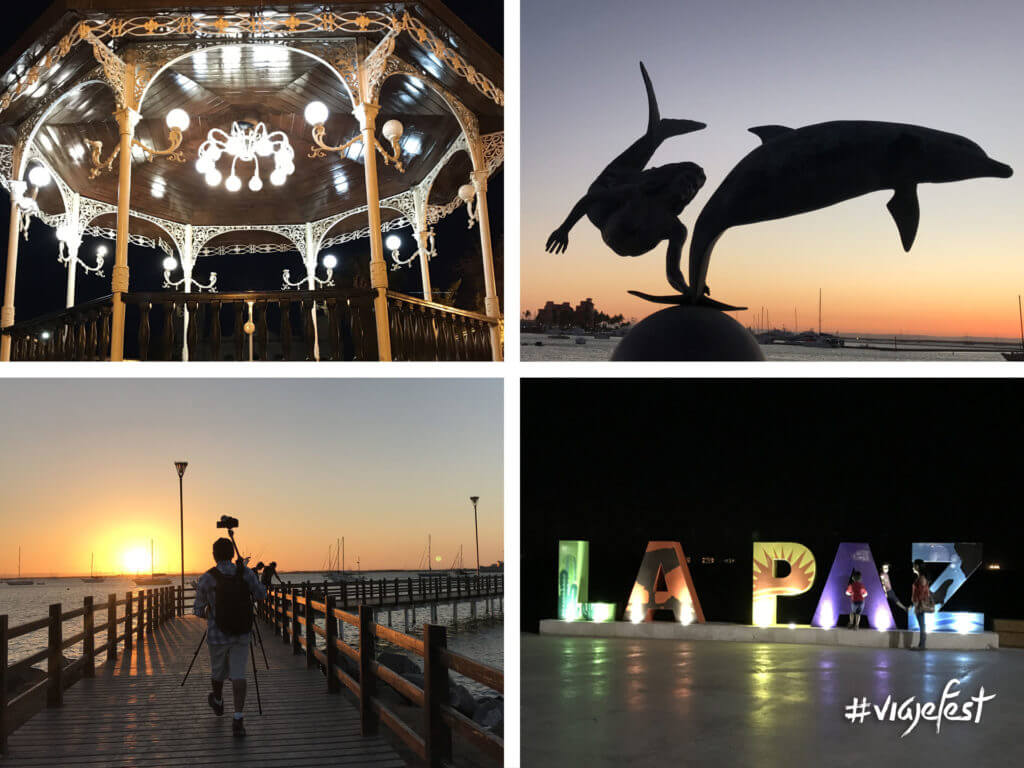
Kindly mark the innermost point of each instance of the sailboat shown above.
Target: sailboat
(19, 582)
(154, 579)
(1018, 357)
(93, 578)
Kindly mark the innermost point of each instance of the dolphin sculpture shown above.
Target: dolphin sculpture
(796, 170)
(637, 207)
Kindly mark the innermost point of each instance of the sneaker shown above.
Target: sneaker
(238, 727)
(216, 706)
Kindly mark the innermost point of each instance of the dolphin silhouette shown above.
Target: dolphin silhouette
(796, 170)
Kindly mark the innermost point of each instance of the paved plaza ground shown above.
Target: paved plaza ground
(616, 702)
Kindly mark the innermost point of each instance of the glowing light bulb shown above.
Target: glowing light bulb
(170, 264)
(278, 177)
(255, 184)
(39, 176)
(330, 261)
(204, 164)
(178, 118)
(213, 177)
(393, 243)
(233, 184)
(316, 113)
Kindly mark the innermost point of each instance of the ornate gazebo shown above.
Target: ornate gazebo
(245, 128)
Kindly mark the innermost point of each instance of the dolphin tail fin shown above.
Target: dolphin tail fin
(656, 126)
(906, 212)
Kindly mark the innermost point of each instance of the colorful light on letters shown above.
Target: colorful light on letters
(963, 559)
(664, 583)
(768, 586)
(573, 573)
(834, 602)
(599, 611)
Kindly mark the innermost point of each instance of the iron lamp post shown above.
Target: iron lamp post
(476, 531)
(180, 466)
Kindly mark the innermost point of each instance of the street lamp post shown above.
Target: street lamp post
(476, 531)
(180, 466)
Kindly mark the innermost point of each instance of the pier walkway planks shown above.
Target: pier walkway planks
(135, 713)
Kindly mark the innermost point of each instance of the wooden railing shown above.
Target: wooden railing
(397, 592)
(140, 613)
(283, 320)
(79, 333)
(295, 611)
(425, 330)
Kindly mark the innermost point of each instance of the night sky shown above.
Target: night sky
(41, 280)
(718, 464)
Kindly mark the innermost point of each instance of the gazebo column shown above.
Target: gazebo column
(127, 118)
(73, 245)
(7, 311)
(422, 240)
(187, 264)
(310, 259)
(492, 306)
(367, 114)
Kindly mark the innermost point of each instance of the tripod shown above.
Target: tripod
(252, 650)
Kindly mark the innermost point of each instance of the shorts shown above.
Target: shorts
(228, 660)
(857, 608)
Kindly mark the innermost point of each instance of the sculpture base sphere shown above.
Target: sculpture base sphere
(686, 332)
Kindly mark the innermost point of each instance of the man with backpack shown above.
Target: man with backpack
(224, 595)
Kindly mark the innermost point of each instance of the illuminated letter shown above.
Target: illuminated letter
(573, 571)
(768, 586)
(664, 583)
(834, 601)
(963, 560)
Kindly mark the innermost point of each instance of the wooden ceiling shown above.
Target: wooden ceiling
(217, 86)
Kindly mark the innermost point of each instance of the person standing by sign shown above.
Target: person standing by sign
(857, 593)
(921, 598)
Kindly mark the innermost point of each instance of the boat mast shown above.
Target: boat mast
(151, 561)
(1020, 314)
(819, 311)
(342, 554)
(429, 557)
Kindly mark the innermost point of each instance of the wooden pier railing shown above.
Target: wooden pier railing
(122, 623)
(295, 611)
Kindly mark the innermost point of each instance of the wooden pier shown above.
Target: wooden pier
(121, 704)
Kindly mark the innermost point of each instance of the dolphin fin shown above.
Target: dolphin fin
(768, 132)
(668, 127)
(906, 212)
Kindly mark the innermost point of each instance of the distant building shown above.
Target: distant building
(563, 315)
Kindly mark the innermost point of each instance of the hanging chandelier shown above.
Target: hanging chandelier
(247, 142)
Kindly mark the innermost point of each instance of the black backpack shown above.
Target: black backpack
(233, 612)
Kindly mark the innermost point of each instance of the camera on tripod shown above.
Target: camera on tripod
(227, 522)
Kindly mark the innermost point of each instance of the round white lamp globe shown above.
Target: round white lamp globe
(178, 118)
(393, 243)
(233, 184)
(39, 176)
(316, 113)
(467, 192)
(170, 264)
(278, 177)
(101, 251)
(213, 177)
(392, 130)
(330, 261)
(264, 147)
(204, 164)
(255, 184)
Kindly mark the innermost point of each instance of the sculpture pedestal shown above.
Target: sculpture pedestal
(686, 332)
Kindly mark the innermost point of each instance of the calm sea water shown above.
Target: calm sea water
(601, 349)
(482, 641)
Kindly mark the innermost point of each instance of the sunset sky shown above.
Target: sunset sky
(87, 465)
(945, 64)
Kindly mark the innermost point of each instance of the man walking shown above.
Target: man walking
(224, 596)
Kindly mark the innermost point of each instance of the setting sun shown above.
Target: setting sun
(136, 560)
